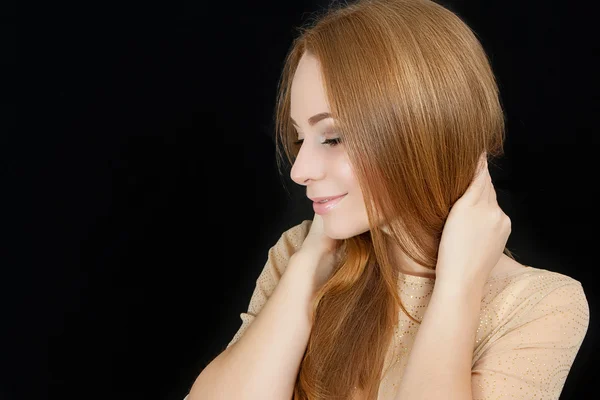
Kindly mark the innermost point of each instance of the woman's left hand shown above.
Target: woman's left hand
(474, 235)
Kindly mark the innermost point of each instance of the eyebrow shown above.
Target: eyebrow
(315, 118)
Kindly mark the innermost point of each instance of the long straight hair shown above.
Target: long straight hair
(415, 103)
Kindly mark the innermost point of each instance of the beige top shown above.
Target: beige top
(532, 324)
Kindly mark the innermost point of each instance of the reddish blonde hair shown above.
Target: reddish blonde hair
(416, 103)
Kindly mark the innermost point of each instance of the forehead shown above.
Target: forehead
(307, 96)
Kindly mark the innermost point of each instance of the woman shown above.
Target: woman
(411, 294)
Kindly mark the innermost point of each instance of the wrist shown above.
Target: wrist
(315, 266)
(459, 286)
(314, 253)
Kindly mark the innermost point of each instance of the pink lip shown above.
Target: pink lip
(325, 198)
(323, 208)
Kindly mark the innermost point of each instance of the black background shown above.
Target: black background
(141, 191)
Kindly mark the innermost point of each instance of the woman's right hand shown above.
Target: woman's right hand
(319, 250)
(317, 241)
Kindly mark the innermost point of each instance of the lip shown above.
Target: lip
(323, 208)
(315, 199)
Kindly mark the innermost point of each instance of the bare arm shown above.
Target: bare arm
(439, 365)
(264, 363)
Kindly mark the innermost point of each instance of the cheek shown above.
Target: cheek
(351, 185)
(347, 174)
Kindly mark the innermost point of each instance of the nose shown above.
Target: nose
(309, 165)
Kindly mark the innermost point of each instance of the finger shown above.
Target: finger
(490, 191)
(476, 188)
(487, 184)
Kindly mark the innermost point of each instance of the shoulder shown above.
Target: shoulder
(297, 233)
(527, 286)
(528, 279)
(529, 293)
(533, 320)
(292, 238)
(289, 242)
(552, 290)
(528, 301)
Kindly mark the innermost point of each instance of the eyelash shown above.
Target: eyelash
(331, 142)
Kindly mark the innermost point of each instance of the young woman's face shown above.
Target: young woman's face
(324, 168)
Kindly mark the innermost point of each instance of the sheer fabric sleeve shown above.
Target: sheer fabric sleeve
(278, 255)
(531, 359)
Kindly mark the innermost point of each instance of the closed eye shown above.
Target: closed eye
(330, 142)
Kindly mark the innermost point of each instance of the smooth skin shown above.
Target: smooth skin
(325, 170)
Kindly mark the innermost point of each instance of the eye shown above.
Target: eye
(330, 142)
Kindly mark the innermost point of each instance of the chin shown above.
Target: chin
(344, 230)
